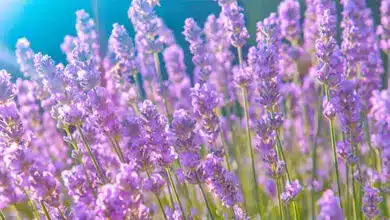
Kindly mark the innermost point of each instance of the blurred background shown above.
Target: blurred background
(45, 22)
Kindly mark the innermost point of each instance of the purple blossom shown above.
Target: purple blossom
(371, 199)
(289, 13)
(202, 59)
(123, 46)
(234, 23)
(292, 190)
(330, 207)
(384, 28)
(7, 89)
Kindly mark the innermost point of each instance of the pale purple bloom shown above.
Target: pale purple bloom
(7, 89)
(370, 200)
(291, 191)
(330, 207)
(384, 28)
(289, 14)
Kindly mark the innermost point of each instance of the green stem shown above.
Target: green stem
(225, 146)
(280, 204)
(205, 199)
(176, 194)
(347, 189)
(333, 141)
(119, 149)
(280, 147)
(158, 198)
(61, 214)
(250, 148)
(114, 147)
(91, 155)
(2, 216)
(314, 152)
(45, 211)
(355, 203)
(161, 206)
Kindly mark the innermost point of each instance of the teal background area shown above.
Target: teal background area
(46, 22)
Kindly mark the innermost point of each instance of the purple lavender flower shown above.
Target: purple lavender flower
(202, 59)
(234, 23)
(331, 63)
(289, 14)
(68, 46)
(7, 89)
(155, 125)
(204, 101)
(292, 190)
(122, 45)
(112, 203)
(87, 34)
(330, 207)
(79, 184)
(384, 28)
(11, 125)
(25, 58)
(154, 183)
(176, 69)
(370, 200)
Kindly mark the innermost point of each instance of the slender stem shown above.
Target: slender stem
(161, 206)
(239, 52)
(280, 147)
(333, 141)
(61, 214)
(158, 198)
(314, 152)
(45, 211)
(354, 201)
(171, 200)
(280, 204)
(176, 194)
(119, 149)
(2, 216)
(250, 148)
(91, 155)
(114, 147)
(226, 150)
(347, 189)
(205, 199)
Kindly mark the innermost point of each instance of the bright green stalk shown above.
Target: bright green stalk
(251, 150)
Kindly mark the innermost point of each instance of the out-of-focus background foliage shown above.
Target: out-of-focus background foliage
(46, 22)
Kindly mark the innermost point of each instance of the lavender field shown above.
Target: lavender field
(293, 126)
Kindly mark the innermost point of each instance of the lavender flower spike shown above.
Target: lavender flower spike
(330, 207)
(7, 89)
(289, 14)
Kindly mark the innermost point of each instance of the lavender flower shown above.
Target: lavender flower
(370, 200)
(384, 28)
(289, 13)
(234, 23)
(25, 58)
(292, 190)
(204, 101)
(7, 90)
(87, 34)
(330, 206)
(123, 47)
(202, 59)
